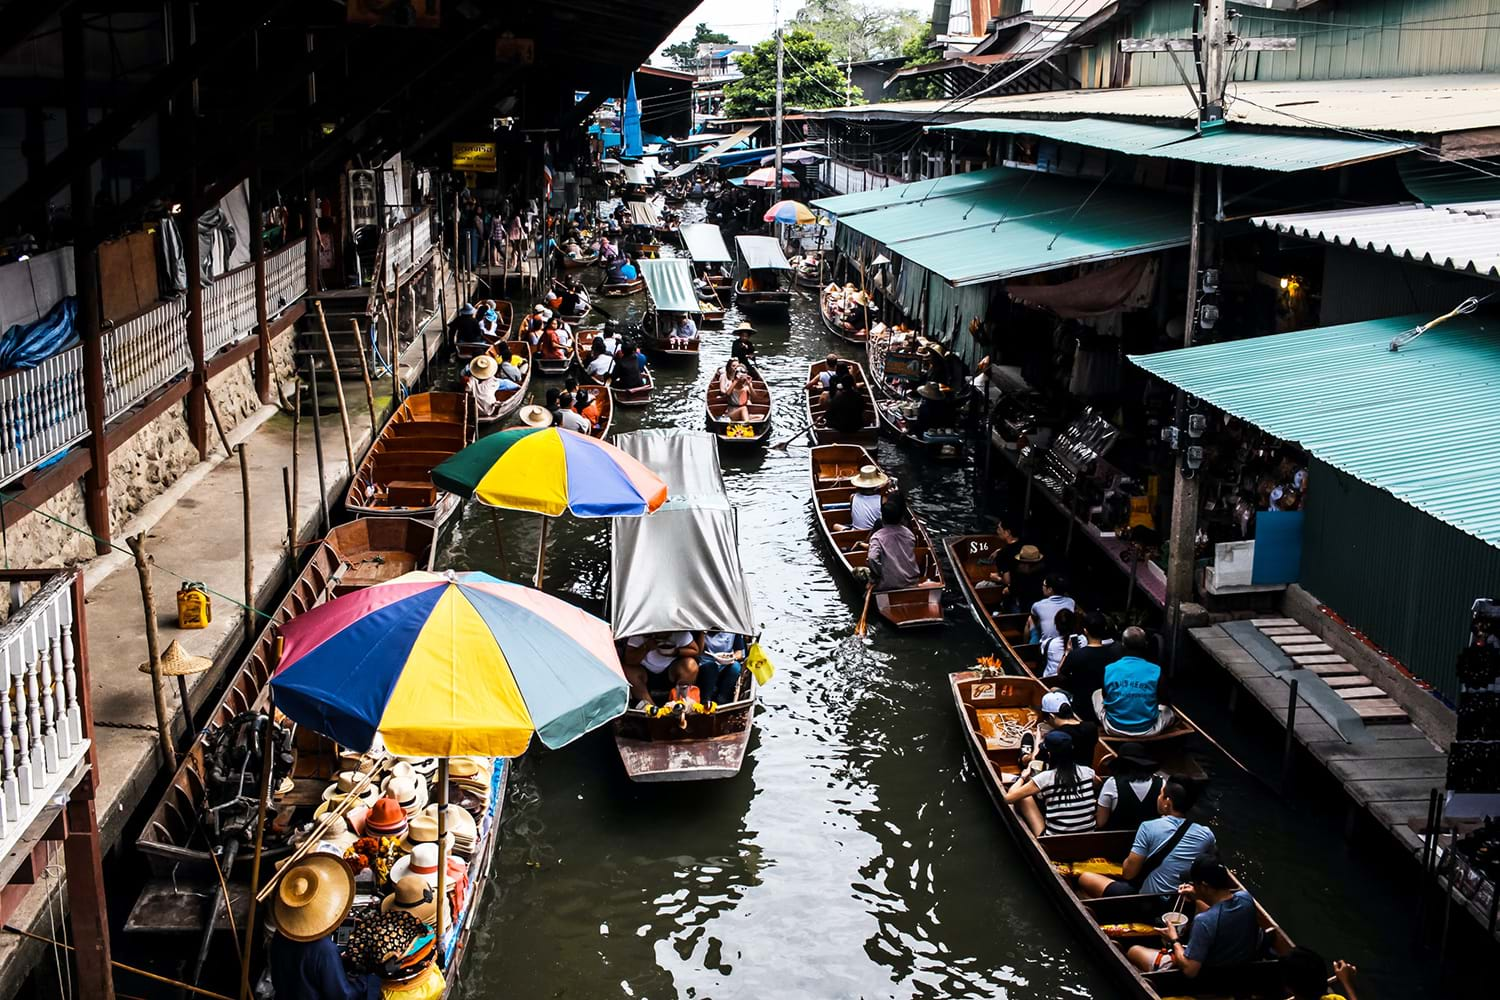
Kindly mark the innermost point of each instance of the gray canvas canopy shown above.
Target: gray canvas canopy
(705, 243)
(759, 253)
(679, 568)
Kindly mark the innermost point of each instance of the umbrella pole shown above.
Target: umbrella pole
(499, 542)
(267, 752)
(541, 553)
(442, 835)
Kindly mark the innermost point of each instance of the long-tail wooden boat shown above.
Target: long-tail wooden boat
(833, 465)
(894, 421)
(816, 410)
(682, 745)
(1108, 927)
(505, 319)
(510, 400)
(577, 263)
(659, 343)
(858, 336)
(756, 430)
(395, 478)
(582, 347)
(761, 296)
(620, 289)
(972, 559)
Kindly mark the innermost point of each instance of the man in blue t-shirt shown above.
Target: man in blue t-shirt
(1133, 700)
(1138, 873)
(1225, 932)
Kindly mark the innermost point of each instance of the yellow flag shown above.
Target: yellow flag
(759, 664)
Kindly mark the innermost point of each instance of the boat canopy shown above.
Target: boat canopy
(643, 213)
(637, 174)
(669, 282)
(758, 253)
(705, 244)
(679, 568)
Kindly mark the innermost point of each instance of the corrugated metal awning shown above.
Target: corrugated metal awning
(902, 194)
(1229, 146)
(1020, 222)
(1463, 238)
(705, 243)
(761, 253)
(1418, 423)
(669, 282)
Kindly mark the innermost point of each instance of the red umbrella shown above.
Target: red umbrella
(766, 177)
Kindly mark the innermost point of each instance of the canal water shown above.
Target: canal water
(856, 855)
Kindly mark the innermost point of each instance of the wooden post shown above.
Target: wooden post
(153, 650)
(442, 836)
(86, 273)
(262, 308)
(313, 243)
(338, 388)
(291, 520)
(296, 447)
(364, 371)
(197, 407)
(249, 552)
(394, 346)
(421, 329)
(323, 523)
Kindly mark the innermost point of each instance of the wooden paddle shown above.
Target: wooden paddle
(793, 439)
(864, 612)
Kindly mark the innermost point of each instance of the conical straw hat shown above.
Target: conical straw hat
(176, 662)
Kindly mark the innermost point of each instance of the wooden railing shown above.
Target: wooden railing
(286, 277)
(41, 412)
(41, 717)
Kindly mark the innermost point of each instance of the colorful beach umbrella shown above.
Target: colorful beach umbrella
(446, 665)
(790, 213)
(766, 177)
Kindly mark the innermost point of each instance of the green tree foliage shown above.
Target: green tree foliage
(811, 78)
(918, 54)
(858, 30)
(684, 55)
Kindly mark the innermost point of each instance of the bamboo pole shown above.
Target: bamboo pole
(394, 344)
(153, 649)
(364, 371)
(291, 520)
(263, 805)
(296, 448)
(338, 388)
(195, 990)
(249, 551)
(330, 819)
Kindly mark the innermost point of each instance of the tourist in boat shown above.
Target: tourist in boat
(1059, 798)
(669, 656)
(728, 374)
(683, 333)
(1304, 976)
(892, 560)
(739, 397)
(936, 410)
(822, 382)
(1057, 713)
(465, 329)
(1129, 795)
(610, 338)
(1224, 932)
(1025, 580)
(587, 405)
(569, 418)
(1133, 699)
(1041, 624)
(630, 374)
(846, 407)
(311, 901)
(601, 362)
(489, 320)
(512, 367)
(607, 250)
(719, 665)
(485, 385)
(866, 502)
(1162, 852)
(1082, 671)
(743, 351)
(1060, 646)
(552, 345)
(1003, 556)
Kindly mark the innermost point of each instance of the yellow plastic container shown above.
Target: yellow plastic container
(195, 609)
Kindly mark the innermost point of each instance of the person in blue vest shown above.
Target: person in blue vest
(1133, 700)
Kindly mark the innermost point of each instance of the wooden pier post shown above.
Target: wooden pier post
(153, 651)
(1291, 736)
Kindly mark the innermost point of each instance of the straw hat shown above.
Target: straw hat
(353, 760)
(466, 767)
(1029, 554)
(344, 786)
(335, 802)
(416, 896)
(483, 367)
(930, 390)
(535, 416)
(744, 327)
(422, 861)
(177, 662)
(870, 478)
(409, 792)
(459, 822)
(313, 898)
(423, 829)
(386, 819)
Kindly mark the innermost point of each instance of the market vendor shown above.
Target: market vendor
(311, 901)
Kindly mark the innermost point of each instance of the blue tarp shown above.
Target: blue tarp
(27, 345)
(634, 149)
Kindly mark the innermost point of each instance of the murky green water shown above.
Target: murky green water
(857, 854)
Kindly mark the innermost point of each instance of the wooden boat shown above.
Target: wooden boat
(815, 410)
(762, 297)
(832, 467)
(984, 700)
(395, 478)
(683, 746)
(582, 346)
(376, 549)
(641, 248)
(606, 410)
(577, 263)
(831, 325)
(893, 373)
(620, 289)
(945, 447)
(505, 318)
(657, 343)
(510, 400)
(756, 430)
(967, 555)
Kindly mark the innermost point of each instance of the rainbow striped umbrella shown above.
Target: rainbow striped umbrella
(790, 213)
(446, 665)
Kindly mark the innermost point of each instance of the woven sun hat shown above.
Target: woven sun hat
(345, 784)
(353, 760)
(535, 416)
(467, 767)
(929, 390)
(869, 478)
(313, 898)
(386, 819)
(423, 829)
(409, 792)
(416, 896)
(483, 367)
(459, 821)
(336, 802)
(1029, 554)
(178, 662)
(423, 861)
(744, 325)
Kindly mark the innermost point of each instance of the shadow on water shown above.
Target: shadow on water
(857, 854)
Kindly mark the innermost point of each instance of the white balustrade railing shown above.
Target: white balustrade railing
(41, 412)
(228, 309)
(406, 243)
(286, 277)
(144, 354)
(41, 720)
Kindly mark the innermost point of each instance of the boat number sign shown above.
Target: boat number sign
(975, 548)
(474, 156)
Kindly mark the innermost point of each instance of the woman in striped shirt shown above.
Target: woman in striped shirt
(1065, 790)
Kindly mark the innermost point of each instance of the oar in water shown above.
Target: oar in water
(864, 612)
(793, 439)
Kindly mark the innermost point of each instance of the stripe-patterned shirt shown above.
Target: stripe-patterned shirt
(1068, 808)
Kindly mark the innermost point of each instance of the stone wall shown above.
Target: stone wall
(284, 360)
(146, 466)
(234, 396)
(33, 541)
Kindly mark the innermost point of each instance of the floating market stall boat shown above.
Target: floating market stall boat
(757, 277)
(841, 304)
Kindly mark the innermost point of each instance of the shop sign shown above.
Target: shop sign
(474, 156)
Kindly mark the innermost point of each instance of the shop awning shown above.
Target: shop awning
(1418, 423)
(1463, 238)
(729, 143)
(1020, 222)
(643, 213)
(761, 253)
(902, 194)
(669, 282)
(705, 243)
(1230, 146)
(637, 174)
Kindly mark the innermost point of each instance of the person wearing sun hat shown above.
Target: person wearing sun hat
(743, 351)
(486, 384)
(864, 505)
(398, 948)
(310, 903)
(535, 416)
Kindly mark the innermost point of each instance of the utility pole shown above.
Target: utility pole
(780, 44)
(1210, 46)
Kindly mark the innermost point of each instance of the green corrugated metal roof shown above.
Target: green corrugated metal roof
(900, 194)
(1419, 423)
(669, 282)
(1021, 222)
(1228, 147)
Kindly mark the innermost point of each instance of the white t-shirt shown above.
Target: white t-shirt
(864, 511)
(655, 659)
(602, 366)
(574, 421)
(1056, 649)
